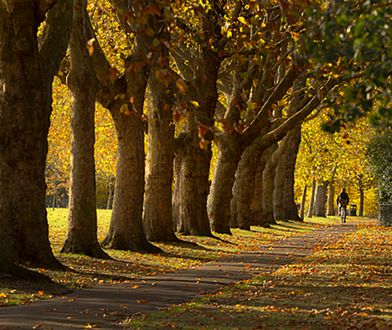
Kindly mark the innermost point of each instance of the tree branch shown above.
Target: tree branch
(54, 41)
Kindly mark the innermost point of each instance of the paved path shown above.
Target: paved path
(106, 306)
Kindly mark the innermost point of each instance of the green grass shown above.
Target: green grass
(344, 285)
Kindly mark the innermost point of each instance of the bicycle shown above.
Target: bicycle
(343, 213)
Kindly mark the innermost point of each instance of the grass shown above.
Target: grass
(344, 285)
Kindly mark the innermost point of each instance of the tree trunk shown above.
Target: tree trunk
(126, 230)
(303, 202)
(256, 206)
(110, 195)
(361, 197)
(311, 200)
(284, 200)
(320, 199)
(126, 227)
(244, 184)
(229, 154)
(158, 215)
(195, 148)
(176, 198)
(82, 216)
(194, 187)
(25, 107)
(331, 198)
(268, 186)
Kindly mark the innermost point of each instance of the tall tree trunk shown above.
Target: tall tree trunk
(176, 198)
(256, 206)
(361, 196)
(284, 200)
(311, 200)
(194, 187)
(303, 202)
(195, 147)
(268, 186)
(244, 184)
(158, 215)
(320, 199)
(229, 154)
(110, 195)
(331, 198)
(26, 72)
(126, 226)
(126, 230)
(82, 217)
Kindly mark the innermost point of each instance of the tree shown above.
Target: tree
(199, 81)
(285, 207)
(353, 39)
(124, 97)
(379, 151)
(270, 68)
(82, 217)
(339, 158)
(158, 215)
(27, 67)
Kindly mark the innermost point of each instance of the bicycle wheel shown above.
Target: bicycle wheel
(343, 214)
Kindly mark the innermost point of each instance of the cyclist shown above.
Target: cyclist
(342, 202)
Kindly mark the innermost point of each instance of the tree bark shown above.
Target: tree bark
(244, 184)
(303, 202)
(256, 206)
(268, 186)
(229, 154)
(176, 198)
(110, 195)
(25, 107)
(311, 200)
(320, 199)
(82, 216)
(126, 227)
(194, 187)
(195, 150)
(158, 215)
(126, 230)
(284, 200)
(361, 197)
(331, 198)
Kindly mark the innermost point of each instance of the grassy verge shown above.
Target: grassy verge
(345, 285)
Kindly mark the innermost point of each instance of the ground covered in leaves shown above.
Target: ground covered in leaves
(344, 285)
(127, 266)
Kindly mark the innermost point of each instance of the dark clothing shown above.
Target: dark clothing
(343, 199)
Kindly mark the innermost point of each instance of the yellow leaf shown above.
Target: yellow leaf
(242, 19)
(90, 46)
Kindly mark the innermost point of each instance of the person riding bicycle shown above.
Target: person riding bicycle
(342, 202)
